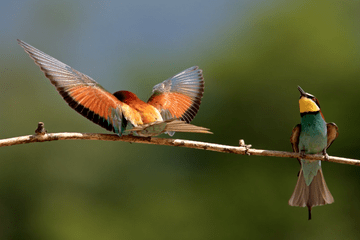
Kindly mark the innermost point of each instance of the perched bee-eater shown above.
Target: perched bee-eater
(312, 135)
(172, 106)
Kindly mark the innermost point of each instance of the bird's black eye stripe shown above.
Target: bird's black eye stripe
(310, 96)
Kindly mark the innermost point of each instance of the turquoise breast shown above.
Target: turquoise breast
(313, 136)
(312, 139)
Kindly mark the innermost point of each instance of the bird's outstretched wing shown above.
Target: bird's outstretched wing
(179, 97)
(174, 125)
(332, 133)
(84, 94)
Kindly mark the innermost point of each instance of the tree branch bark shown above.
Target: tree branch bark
(242, 149)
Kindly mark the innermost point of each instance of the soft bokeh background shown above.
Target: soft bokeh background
(253, 53)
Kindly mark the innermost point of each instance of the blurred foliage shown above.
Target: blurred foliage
(107, 190)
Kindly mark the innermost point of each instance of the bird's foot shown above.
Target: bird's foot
(326, 155)
(302, 154)
(247, 147)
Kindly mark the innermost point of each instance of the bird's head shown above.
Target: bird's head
(308, 103)
(126, 96)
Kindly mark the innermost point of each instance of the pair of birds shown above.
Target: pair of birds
(173, 105)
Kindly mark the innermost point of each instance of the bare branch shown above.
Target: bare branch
(243, 149)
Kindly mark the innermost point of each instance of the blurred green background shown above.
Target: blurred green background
(253, 53)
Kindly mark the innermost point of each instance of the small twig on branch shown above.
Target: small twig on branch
(242, 149)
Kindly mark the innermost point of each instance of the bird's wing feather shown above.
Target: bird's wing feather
(294, 139)
(81, 92)
(332, 133)
(179, 96)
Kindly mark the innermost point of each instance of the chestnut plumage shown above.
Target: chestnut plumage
(177, 98)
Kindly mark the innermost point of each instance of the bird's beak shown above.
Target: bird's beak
(302, 92)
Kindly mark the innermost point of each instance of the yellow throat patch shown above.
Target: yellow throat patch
(307, 105)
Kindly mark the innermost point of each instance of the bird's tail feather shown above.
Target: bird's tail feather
(316, 194)
(170, 126)
(181, 126)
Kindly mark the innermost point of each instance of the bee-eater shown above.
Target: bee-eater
(312, 135)
(172, 106)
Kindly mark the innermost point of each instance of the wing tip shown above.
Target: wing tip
(23, 44)
(196, 68)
